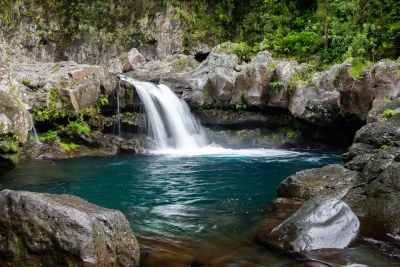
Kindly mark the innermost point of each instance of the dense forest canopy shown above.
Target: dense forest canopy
(323, 31)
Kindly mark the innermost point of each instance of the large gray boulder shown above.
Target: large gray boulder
(332, 180)
(321, 223)
(39, 229)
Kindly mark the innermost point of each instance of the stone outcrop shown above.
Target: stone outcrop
(332, 180)
(321, 223)
(56, 230)
(59, 86)
(368, 181)
(326, 98)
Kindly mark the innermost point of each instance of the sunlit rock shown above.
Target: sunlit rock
(321, 223)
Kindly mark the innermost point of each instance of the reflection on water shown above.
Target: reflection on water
(202, 209)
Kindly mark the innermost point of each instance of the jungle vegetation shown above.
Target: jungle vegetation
(320, 31)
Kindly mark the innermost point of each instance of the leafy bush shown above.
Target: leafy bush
(79, 126)
(50, 135)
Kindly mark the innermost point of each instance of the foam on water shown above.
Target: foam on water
(217, 151)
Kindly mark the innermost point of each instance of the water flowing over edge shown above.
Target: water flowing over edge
(170, 122)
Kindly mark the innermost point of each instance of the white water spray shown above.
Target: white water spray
(170, 122)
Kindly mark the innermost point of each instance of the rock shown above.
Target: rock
(332, 180)
(167, 33)
(321, 223)
(134, 60)
(378, 198)
(319, 107)
(284, 72)
(385, 80)
(379, 133)
(252, 83)
(57, 86)
(57, 230)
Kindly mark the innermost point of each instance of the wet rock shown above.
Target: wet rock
(332, 180)
(321, 223)
(379, 198)
(166, 255)
(381, 132)
(54, 230)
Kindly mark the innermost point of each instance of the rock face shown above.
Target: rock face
(58, 230)
(321, 223)
(332, 180)
(368, 181)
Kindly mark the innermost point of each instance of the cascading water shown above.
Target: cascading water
(34, 130)
(117, 122)
(170, 122)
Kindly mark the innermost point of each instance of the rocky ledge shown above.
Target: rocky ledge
(62, 230)
(369, 180)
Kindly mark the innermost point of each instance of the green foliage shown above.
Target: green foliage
(388, 113)
(242, 50)
(241, 106)
(331, 30)
(79, 126)
(50, 135)
(103, 100)
(25, 81)
(68, 146)
(271, 66)
(290, 134)
(383, 147)
(274, 87)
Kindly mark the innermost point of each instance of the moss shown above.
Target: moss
(68, 146)
(25, 81)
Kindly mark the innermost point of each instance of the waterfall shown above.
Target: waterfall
(34, 129)
(117, 122)
(170, 122)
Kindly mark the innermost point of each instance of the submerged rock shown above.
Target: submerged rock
(62, 230)
(321, 223)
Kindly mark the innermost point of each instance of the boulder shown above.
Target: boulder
(332, 180)
(321, 223)
(39, 229)
(385, 80)
(134, 60)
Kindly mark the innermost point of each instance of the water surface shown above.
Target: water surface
(200, 204)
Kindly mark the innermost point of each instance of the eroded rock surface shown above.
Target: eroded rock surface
(321, 223)
(57, 230)
(332, 180)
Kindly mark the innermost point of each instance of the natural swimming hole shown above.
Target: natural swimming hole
(199, 209)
